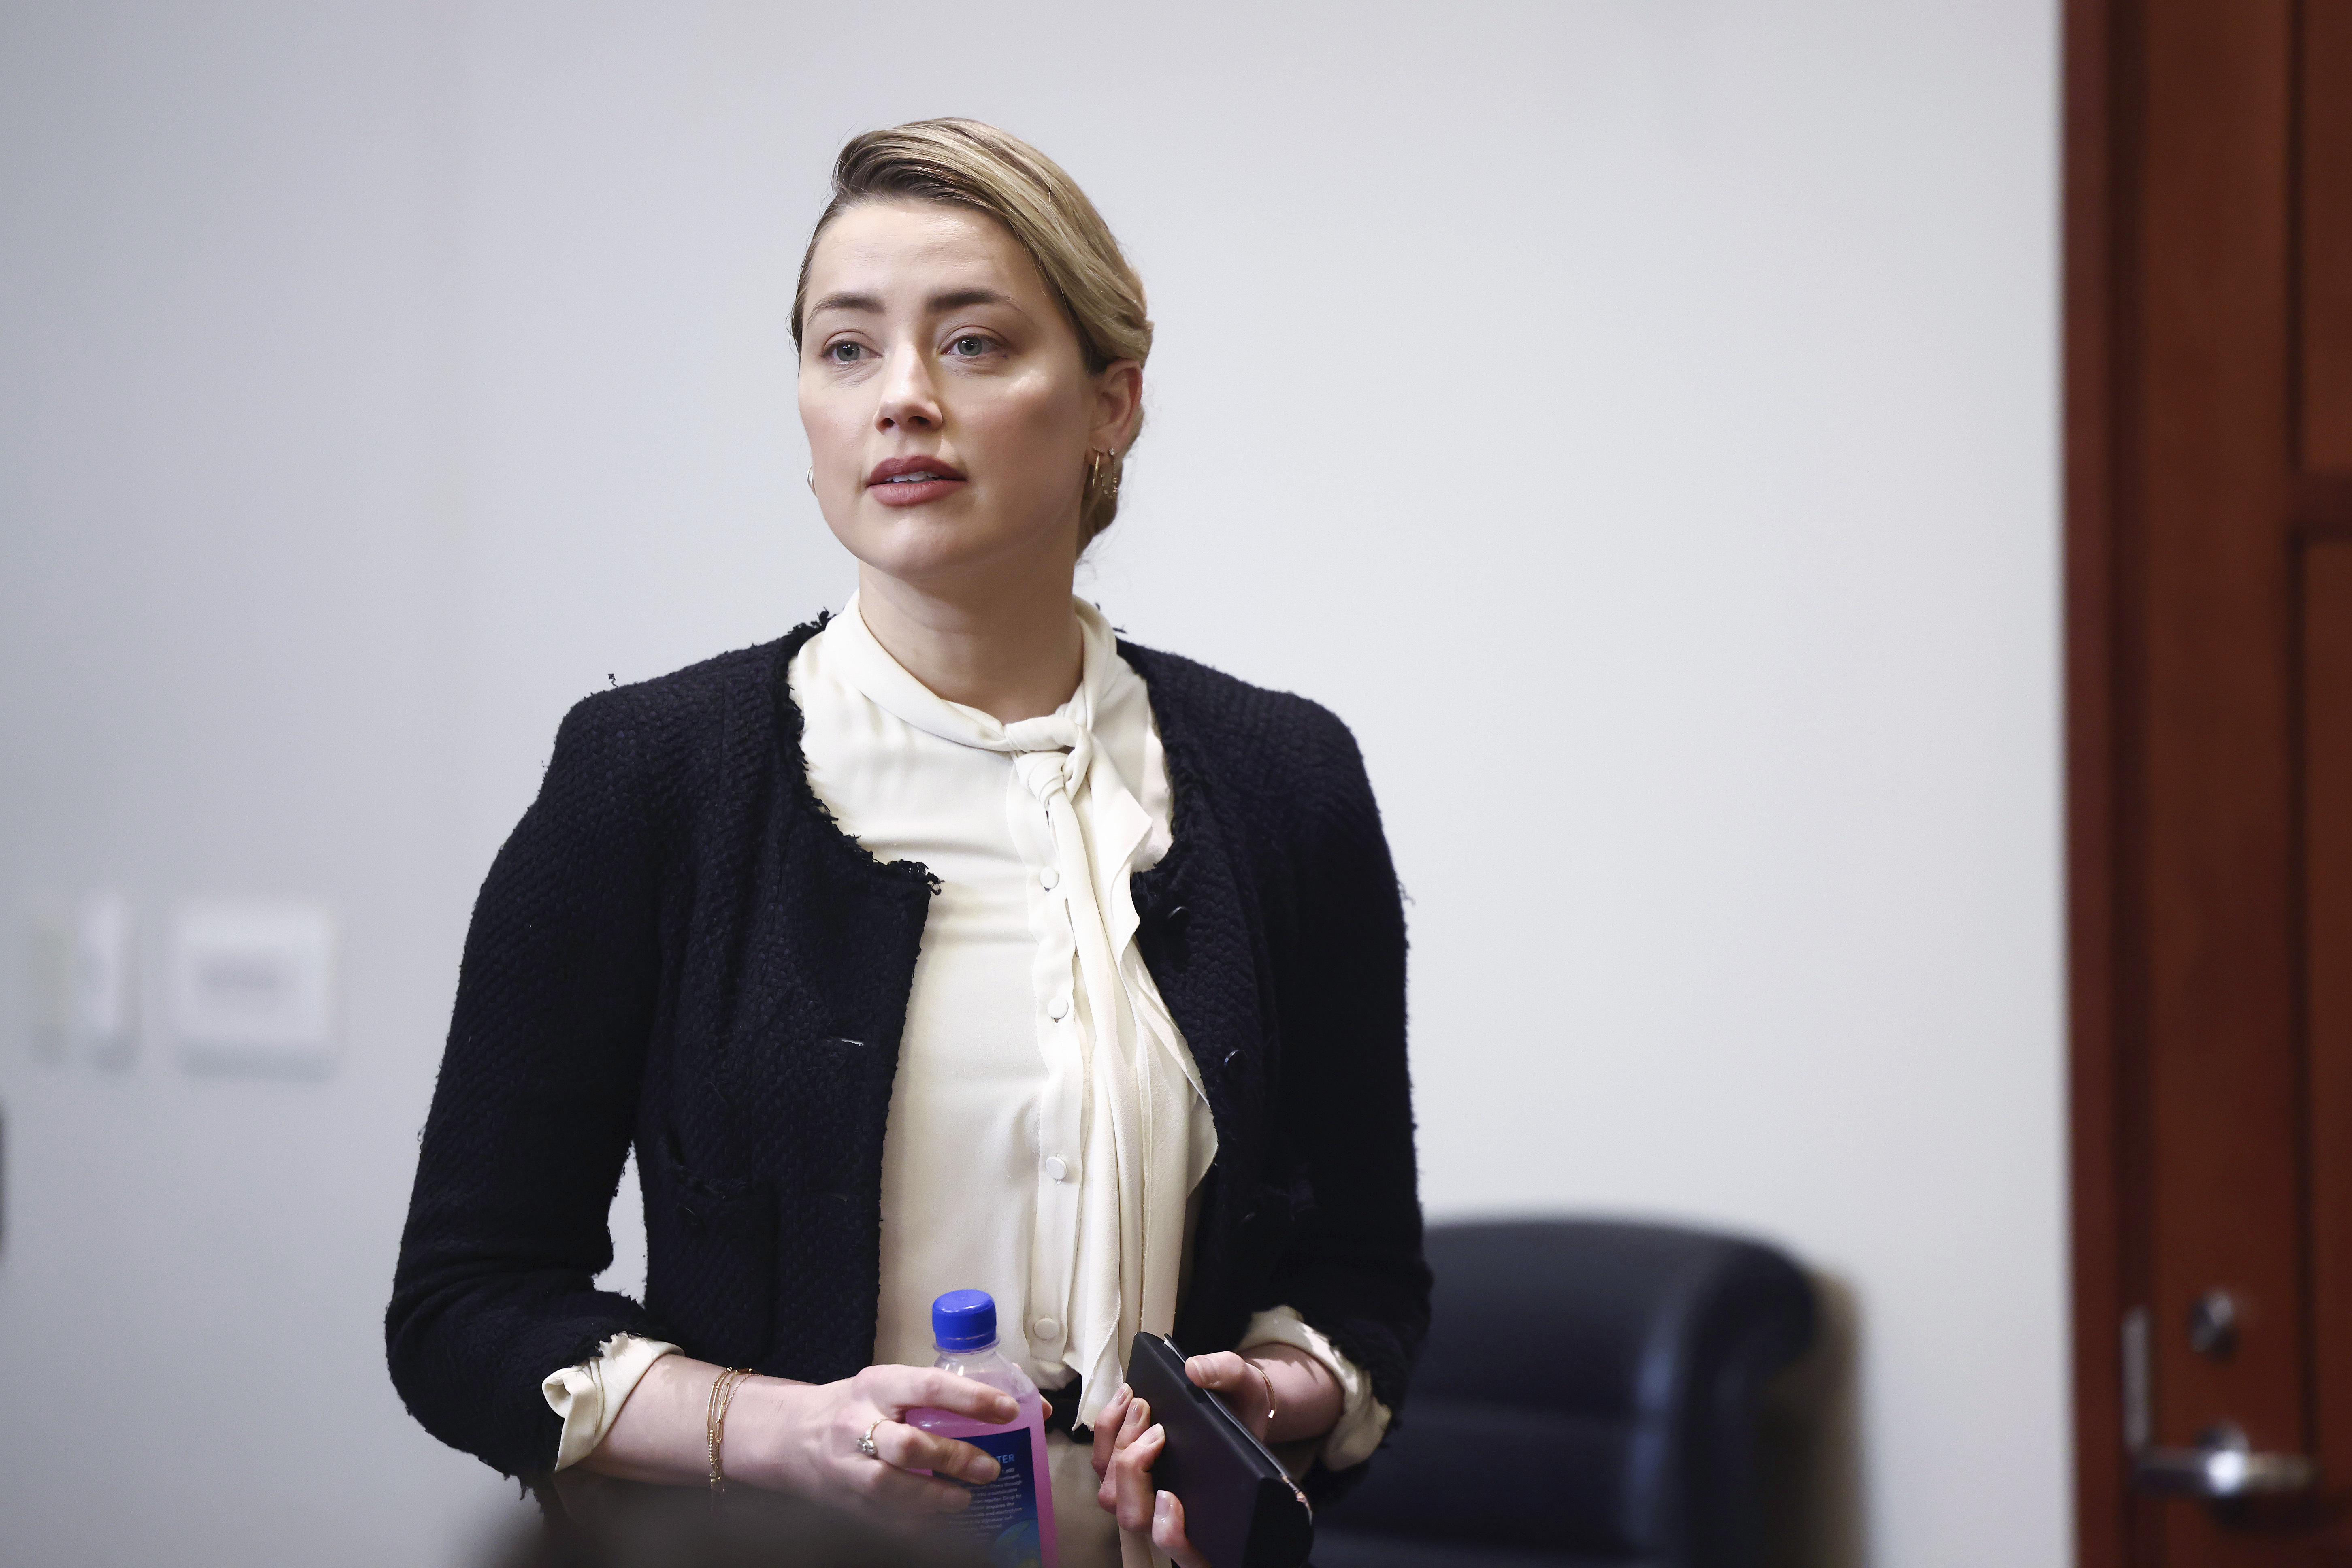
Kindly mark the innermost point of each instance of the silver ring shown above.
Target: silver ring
(866, 1444)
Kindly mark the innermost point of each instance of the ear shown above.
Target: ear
(1118, 404)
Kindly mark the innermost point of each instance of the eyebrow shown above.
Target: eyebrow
(864, 302)
(953, 299)
(965, 299)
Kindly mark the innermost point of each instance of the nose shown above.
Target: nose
(910, 401)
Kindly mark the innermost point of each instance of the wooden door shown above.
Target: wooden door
(2208, 299)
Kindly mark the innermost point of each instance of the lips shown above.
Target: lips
(911, 481)
(912, 470)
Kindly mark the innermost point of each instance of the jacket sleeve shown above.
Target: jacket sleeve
(1354, 1268)
(531, 1117)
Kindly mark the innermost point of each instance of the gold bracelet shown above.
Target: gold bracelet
(722, 1394)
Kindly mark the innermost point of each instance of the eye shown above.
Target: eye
(972, 346)
(844, 353)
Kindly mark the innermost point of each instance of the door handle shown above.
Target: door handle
(2223, 1466)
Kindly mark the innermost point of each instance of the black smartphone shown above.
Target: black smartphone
(1242, 1509)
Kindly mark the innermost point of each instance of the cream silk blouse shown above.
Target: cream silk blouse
(1046, 1123)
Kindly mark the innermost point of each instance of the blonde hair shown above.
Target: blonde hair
(964, 164)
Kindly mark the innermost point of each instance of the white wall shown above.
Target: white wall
(1636, 419)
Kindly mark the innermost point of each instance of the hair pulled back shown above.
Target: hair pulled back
(966, 164)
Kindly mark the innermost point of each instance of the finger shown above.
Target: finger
(1240, 1382)
(895, 1390)
(891, 1492)
(1131, 1480)
(899, 1389)
(912, 1449)
(1138, 1420)
(1106, 1427)
(1132, 1473)
(1223, 1369)
(1167, 1531)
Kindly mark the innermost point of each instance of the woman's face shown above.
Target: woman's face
(949, 408)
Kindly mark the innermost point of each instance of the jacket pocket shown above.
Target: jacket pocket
(710, 1262)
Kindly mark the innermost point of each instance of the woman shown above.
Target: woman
(946, 942)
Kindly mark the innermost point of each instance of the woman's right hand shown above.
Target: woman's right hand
(802, 1436)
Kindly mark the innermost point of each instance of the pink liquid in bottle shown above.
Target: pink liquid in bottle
(1011, 1518)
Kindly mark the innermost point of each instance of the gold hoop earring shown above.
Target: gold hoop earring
(1094, 461)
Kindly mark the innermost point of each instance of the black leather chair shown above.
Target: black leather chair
(1589, 1397)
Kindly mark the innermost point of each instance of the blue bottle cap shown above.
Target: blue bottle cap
(964, 1321)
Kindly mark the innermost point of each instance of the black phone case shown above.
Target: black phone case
(1241, 1509)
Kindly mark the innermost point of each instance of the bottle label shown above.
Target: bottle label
(1002, 1518)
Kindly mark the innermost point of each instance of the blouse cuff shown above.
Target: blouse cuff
(1364, 1420)
(589, 1396)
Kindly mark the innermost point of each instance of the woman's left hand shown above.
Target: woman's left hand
(1127, 1442)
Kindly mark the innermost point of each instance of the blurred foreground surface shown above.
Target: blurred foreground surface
(650, 1527)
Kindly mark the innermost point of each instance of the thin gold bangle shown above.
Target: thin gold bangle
(722, 1394)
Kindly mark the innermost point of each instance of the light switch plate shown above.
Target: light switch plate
(252, 986)
(105, 980)
(49, 981)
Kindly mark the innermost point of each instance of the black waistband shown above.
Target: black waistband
(1061, 1408)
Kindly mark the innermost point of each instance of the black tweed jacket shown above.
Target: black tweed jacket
(679, 947)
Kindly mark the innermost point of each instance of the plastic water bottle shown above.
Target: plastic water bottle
(1012, 1517)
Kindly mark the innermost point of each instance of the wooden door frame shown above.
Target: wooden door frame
(2096, 293)
(2102, 142)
